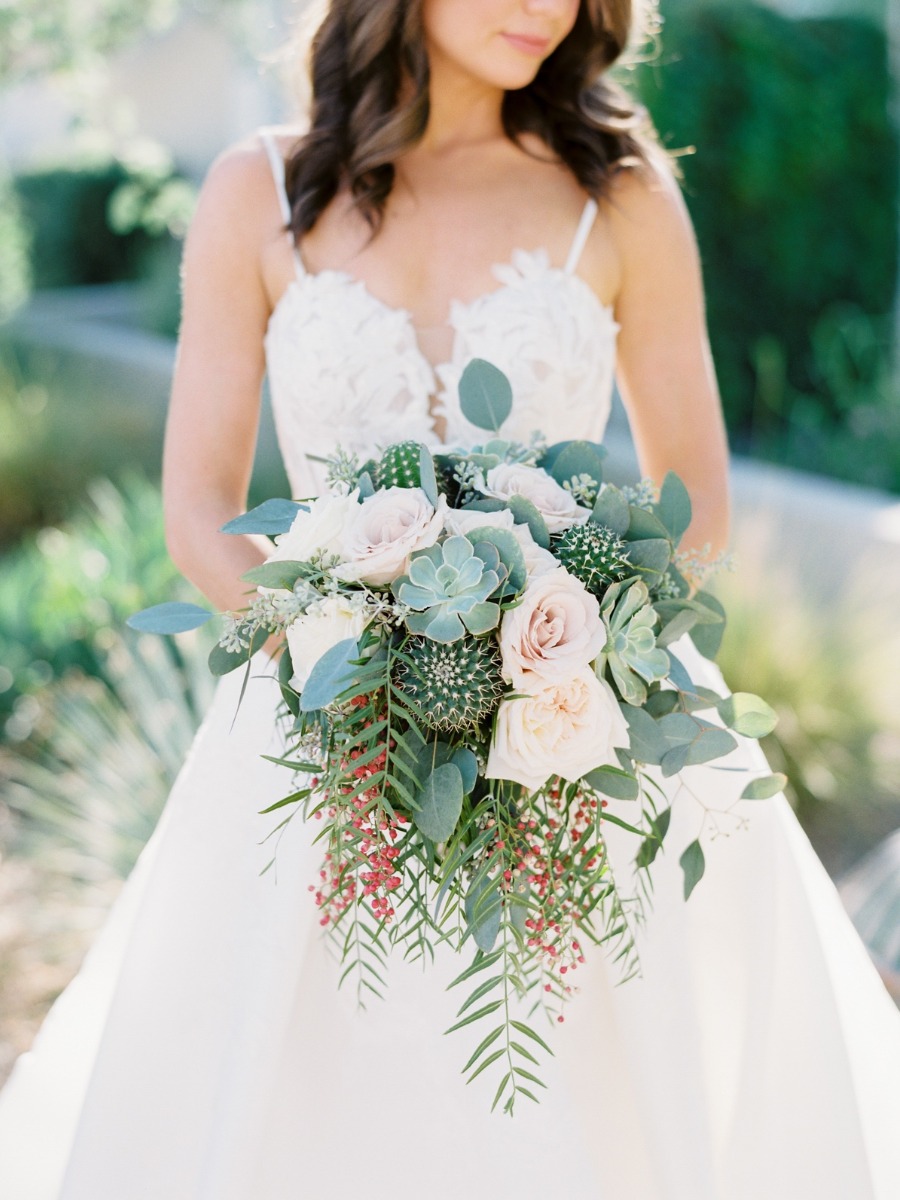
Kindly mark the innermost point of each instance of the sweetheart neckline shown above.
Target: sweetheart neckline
(436, 369)
(464, 305)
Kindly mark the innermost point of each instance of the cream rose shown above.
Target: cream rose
(384, 531)
(553, 631)
(318, 531)
(557, 506)
(465, 521)
(565, 728)
(328, 622)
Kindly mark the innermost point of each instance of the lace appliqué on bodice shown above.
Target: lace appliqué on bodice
(345, 369)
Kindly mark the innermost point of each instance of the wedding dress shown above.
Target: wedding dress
(205, 1052)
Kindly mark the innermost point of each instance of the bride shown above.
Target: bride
(471, 185)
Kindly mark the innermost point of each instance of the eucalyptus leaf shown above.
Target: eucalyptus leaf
(650, 554)
(648, 742)
(172, 617)
(271, 517)
(747, 714)
(708, 637)
(365, 485)
(484, 504)
(764, 787)
(643, 525)
(223, 662)
(485, 395)
(693, 864)
(331, 674)
(579, 458)
(611, 510)
(440, 800)
(526, 513)
(285, 674)
(427, 476)
(674, 508)
(483, 911)
(612, 781)
(277, 574)
(677, 627)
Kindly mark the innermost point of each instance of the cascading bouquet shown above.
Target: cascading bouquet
(477, 659)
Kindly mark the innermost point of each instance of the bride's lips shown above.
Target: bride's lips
(535, 46)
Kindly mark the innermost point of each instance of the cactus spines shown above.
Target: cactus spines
(399, 466)
(455, 685)
(593, 554)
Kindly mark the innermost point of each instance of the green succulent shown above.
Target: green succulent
(455, 686)
(399, 466)
(593, 554)
(631, 651)
(447, 587)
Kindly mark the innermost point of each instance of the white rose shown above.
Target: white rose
(537, 560)
(318, 531)
(557, 506)
(553, 631)
(309, 637)
(565, 728)
(384, 531)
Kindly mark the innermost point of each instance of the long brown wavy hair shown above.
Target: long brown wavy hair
(369, 80)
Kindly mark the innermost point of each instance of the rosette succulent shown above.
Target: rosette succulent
(593, 554)
(455, 685)
(447, 588)
(631, 651)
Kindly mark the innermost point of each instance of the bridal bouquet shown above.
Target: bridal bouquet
(477, 669)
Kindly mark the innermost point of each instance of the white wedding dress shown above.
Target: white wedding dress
(204, 1051)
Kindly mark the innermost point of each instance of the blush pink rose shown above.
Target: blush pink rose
(554, 631)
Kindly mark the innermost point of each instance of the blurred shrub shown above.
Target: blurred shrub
(793, 187)
(107, 221)
(15, 275)
(849, 426)
(827, 674)
(63, 591)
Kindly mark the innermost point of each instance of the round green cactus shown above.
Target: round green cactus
(593, 554)
(454, 686)
(399, 466)
(448, 588)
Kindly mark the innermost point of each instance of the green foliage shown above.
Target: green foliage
(447, 588)
(485, 395)
(64, 589)
(399, 466)
(88, 782)
(793, 186)
(15, 245)
(593, 554)
(456, 686)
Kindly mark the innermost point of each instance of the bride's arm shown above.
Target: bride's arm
(212, 422)
(665, 370)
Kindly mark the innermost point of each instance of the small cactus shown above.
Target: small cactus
(399, 466)
(593, 554)
(456, 686)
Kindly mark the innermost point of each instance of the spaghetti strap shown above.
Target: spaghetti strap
(581, 235)
(276, 162)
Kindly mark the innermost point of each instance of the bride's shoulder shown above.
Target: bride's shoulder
(646, 215)
(238, 176)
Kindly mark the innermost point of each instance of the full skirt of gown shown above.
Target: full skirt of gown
(205, 1052)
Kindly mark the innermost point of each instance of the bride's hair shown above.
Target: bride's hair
(369, 76)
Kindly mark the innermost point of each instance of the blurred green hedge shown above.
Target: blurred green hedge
(792, 189)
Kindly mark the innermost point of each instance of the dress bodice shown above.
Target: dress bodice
(345, 369)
